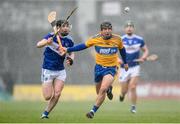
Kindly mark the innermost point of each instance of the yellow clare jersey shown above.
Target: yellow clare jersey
(106, 50)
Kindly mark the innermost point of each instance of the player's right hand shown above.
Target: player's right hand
(49, 41)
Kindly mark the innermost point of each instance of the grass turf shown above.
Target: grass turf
(148, 111)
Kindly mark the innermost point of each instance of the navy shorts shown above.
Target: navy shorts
(101, 71)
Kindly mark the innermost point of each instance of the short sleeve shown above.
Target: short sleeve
(142, 43)
(48, 36)
(71, 41)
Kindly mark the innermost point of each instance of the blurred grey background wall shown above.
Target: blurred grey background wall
(24, 22)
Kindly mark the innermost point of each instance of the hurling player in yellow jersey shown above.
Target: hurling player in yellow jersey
(106, 46)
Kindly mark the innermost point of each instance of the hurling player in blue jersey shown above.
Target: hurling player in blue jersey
(107, 45)
(53, 72)
(134, 44)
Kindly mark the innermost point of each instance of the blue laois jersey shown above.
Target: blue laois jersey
(52, 59)
(133, 45)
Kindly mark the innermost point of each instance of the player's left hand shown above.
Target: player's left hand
(49, 41)
(69, 61)
(126, 67)
(62, 50)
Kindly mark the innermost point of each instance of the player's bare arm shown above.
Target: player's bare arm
(44, 42)
(144, 55)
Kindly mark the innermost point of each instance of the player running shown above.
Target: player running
(133, 44)
(53, 71)
(106, 46)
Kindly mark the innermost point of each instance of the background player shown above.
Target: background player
(107, 46)
(133, 44)
(53, 71)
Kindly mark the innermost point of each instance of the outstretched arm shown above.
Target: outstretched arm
(77, 47)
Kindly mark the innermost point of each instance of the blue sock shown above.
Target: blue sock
(46, 113)
(94, 109)
(133, 106)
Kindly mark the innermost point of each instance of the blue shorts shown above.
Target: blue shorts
(101, 71)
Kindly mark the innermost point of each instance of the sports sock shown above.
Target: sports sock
(133, 106)
(46, 113)
(94, 109)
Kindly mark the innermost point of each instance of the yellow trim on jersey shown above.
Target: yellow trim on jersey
(106, 50)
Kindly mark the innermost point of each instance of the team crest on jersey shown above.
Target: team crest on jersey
(66, 44)
(130, 41)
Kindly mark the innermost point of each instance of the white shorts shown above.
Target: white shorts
(49, 75)
(126, 75)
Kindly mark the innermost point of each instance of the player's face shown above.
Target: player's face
(106, 33)
(64, 29)
(129, 30)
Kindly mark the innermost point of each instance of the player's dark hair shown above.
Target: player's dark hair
(59, 23)
(105, 25)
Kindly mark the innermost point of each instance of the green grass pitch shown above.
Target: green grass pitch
(149, 111)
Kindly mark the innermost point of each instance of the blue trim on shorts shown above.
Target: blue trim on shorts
(101, 71)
